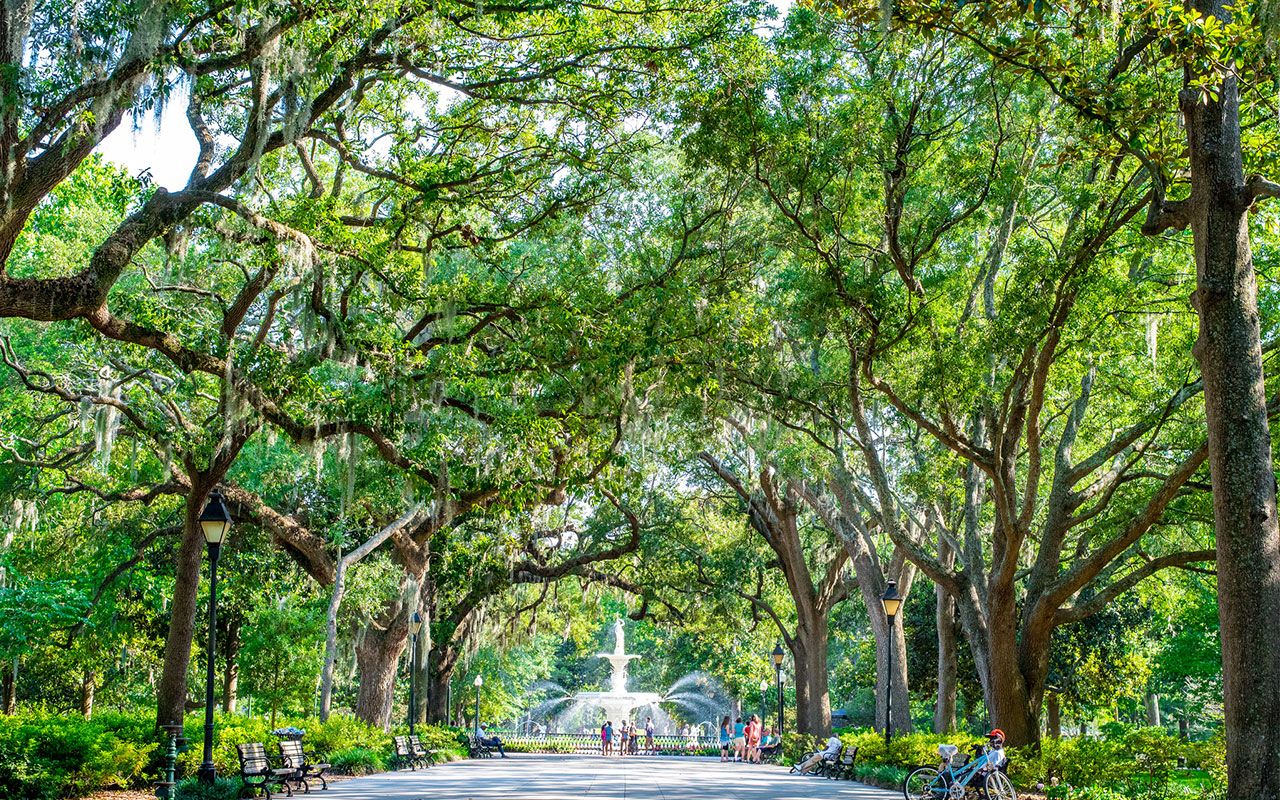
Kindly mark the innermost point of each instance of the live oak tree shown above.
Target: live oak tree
(1196, 61)
(886, 288)
(449, 180)
(772, 504)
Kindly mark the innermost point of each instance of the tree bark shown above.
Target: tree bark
(813, 696)
(171, 692)
(377, 657)
(231, 672)
(944, 710)
(88, 687)
(1053, 715)
(1240, 461)
(871, 592)
(408, 519)
(331, 638)
(439, 672)
(1153, 709)
(1013, 701)
(423, 688)
(9, 699)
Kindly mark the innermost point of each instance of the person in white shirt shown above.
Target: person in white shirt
(830, 751)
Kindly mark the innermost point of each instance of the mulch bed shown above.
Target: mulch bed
(149, 794)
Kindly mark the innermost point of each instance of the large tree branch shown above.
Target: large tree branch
(1083, 609)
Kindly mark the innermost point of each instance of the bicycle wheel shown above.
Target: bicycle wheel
(999, 787)
(924, 783)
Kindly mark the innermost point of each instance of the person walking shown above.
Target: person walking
(622, 733)
(648, 737)
(726, 734)
(606, 737)
(739, 740)
(753, 739)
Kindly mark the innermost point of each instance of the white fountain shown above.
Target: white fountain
(618, 703)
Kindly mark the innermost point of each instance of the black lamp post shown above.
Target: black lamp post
(478, 682)
(215, 523)
(891, 602)
(415, 625)
(778, 655)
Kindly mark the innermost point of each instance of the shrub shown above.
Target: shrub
(221, 789)
(796, 745)
(357, 761)
(338, 734)
(885, 775)
(44, 755)
(440, 738)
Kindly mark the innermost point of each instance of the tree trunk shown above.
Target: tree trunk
(377, 657)
(171, 693)
(1009, 703)
(439, 669)
(9, 700)
(424, 690)
(901, 691)
(944, 710)
(1153, 709)
(231, 673)
(421, 678)
(1053, 714)
(813, 697)
(331, 638)
(1244, 489)
(88, 687)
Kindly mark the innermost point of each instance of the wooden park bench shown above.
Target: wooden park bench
(475, 748)
(257, 771)
(305, 765)
(404, 755)
(770, 753)
(427, 757)
(842, 767)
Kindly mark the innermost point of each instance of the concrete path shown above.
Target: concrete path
(549, 777)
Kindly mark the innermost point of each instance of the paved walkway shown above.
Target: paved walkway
(536, 777)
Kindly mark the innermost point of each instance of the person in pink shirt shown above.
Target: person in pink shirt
(753, 739)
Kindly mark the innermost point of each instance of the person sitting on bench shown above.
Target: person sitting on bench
(490, 741)
(769, 744)
(829, 752)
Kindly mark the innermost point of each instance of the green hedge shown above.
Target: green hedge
(47, 756)
(1124, 763)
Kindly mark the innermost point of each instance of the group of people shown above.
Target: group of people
(746, 741)
(626, 739)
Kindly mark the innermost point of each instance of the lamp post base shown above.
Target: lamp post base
(207, 773)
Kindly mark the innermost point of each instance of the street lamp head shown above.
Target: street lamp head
(778, 655)
(890, 600)
(478, 682)
(215, 520)
(415, 624)
(764, 685)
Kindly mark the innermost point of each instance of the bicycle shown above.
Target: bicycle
(947, 782)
